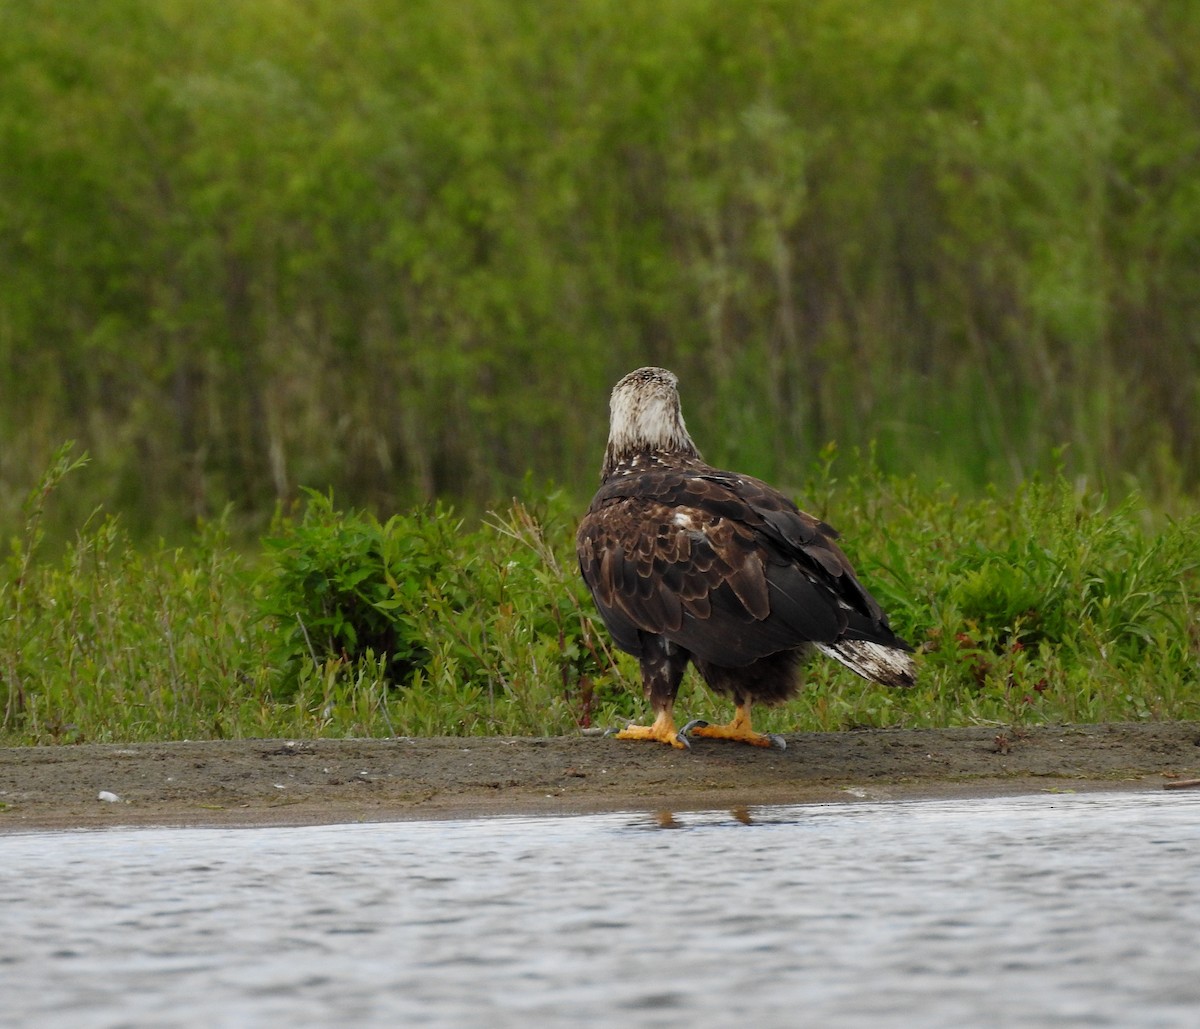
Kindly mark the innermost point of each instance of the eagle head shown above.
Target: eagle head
(646, 423)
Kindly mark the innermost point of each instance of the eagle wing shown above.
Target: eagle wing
(720, 564)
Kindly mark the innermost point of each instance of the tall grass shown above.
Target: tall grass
(1041, 605)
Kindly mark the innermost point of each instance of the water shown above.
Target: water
(1031, 911)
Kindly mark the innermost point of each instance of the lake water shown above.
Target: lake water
(1030, 911)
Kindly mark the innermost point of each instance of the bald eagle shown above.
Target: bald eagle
(688, 563)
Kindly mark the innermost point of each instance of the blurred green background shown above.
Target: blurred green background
(403, 249)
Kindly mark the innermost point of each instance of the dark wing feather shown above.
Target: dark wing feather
(722, 565)
(794, 532)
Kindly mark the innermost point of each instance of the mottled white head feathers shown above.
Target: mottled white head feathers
(646, 421)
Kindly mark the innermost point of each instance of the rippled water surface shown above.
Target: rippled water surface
(1030, 911)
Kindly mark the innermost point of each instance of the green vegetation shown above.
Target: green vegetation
(399, 252)
(1046, 605)
(403, 249)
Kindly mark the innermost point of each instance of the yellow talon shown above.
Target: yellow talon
(662, 731)
(739, 730)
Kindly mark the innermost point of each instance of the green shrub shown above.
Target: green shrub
(340, 585)
(1043, 604)
(476, 631)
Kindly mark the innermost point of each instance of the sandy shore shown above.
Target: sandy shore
(285, 782)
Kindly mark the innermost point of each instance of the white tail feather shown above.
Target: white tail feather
(873, 661)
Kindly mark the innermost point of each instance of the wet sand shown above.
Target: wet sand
(293, 782)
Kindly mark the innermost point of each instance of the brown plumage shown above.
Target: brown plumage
(690, 563)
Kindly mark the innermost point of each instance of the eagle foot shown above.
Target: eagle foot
(659, 732)
(738, 730)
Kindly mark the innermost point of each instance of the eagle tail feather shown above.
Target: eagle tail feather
(886, 665)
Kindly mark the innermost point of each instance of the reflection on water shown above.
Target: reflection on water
(1064, 910)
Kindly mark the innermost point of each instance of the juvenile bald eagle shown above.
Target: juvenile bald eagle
(690, 563)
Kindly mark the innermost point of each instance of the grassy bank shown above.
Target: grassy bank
(1045, 604)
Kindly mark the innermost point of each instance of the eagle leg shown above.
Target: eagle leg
(739, 729)
(662, 731)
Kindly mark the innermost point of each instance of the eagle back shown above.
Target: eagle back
(721, 564)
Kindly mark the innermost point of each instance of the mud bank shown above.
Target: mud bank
(281, 782)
